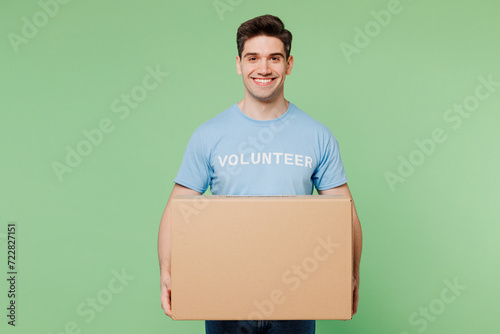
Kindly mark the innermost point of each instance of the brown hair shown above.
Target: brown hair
(265, 25)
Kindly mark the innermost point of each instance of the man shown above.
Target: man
(262, 145)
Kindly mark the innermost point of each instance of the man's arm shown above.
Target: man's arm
(344, 190)
(164, 248)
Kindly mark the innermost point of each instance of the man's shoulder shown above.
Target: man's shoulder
(219, 120)
(306, 120)
(229, 118)
(216, 124)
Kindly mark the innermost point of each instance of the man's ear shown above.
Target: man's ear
(238, 65)
(289, 65)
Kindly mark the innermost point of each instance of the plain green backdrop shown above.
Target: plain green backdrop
(64, 70)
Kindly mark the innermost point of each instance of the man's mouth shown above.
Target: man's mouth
(263, 81)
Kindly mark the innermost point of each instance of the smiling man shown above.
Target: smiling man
(261, 145)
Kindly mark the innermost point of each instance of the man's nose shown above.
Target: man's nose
(264, 68)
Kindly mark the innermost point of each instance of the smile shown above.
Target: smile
(262, 81)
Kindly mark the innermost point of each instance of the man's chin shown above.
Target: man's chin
(265, 98)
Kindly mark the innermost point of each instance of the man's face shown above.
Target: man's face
(263, 67)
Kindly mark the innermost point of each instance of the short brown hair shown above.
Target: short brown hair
(265, 25)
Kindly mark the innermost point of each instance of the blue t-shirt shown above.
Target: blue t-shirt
(234, 154)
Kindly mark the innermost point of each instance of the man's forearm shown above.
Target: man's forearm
(356, 225)
(357, 240)
(164, 244)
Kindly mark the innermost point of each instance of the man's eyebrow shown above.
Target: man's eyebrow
(256, 54)
(250, 54)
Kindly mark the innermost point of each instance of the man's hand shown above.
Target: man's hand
(166, 302)
(355, 294)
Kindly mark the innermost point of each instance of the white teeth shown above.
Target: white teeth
(263, 80)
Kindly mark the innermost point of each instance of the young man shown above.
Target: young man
(262, 145)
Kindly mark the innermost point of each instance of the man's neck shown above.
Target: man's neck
(263, 111)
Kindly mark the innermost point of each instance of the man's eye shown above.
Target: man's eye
(275, 58)
(252, 58)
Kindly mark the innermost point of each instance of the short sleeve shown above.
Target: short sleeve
(195, 171)
(330, 171)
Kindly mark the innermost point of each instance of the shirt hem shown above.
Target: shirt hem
(188, 185)
(333, 185)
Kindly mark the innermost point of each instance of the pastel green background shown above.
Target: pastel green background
(440, 224)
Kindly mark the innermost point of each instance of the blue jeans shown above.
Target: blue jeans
(260, 327)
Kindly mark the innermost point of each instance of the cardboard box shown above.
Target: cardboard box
(261, 257)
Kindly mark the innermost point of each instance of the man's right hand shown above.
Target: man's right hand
(166, 290)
